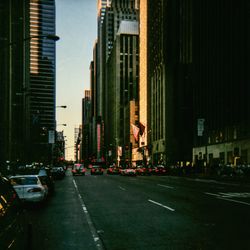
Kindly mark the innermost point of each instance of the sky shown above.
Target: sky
(76, 25)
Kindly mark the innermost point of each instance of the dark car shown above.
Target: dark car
(143, 170)
(58, 173)
(96, 169)
(15, 230)
(45, 175)
(78, 169)
(159, 170)
(113, 170)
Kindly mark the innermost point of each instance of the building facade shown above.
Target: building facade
(115, 13)
(42, 82)
(27, 79)
(221, 84)
(170, 83)
(123, 80)
(86, 127)
(13, 31)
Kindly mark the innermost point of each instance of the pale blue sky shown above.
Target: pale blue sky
(76, 25)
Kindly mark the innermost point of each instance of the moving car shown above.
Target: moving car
(57, 173)
(113, 170)
(128, 171)
(15, 229)
(143, 170)
(96, 169)
(78, 169)
(159, 170)
(29, 187)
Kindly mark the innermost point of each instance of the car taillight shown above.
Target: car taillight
(34, 190)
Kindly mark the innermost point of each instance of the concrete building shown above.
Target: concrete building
(169, 76)
(123, 84)
(199, 81)
(13, 51)
(144, 112)
(222, 82)
(115, 13)
(86, 127)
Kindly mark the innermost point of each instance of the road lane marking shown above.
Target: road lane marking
(238, 195)
(211, 194)
(92, 228)
(164, 186)
(122, 188)
(222, 196)
(212, 181)
(161, 205)
(232, 200)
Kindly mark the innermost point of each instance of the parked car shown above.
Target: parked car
(96, 169)
(29, 187)
(57, 173)
(78, 169)
(46, 178)
(15, 229)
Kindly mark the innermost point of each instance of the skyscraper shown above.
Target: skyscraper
(115, 14)
(123, 85)
(27, 78)
(42, 76)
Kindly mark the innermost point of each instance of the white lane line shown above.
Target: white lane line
(164, 186)
(122, 188)
(212, 194)
(161, 205)
(227, 199)
(92, 228)
(232, 200)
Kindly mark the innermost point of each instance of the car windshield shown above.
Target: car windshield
(24, 181)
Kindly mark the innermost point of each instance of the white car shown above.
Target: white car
(29, 187)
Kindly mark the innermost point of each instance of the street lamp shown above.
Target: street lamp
(62, 106)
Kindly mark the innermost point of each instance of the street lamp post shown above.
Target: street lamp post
(63, 124)
(62, 106)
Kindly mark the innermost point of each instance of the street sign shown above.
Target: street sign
(51, 135)
(200, 126)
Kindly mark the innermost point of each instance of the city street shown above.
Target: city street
(143, 212)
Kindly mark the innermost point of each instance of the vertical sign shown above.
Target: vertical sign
(200, 126)
(51, 135)
(98, 139)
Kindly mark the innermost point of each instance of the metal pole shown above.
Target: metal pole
(10, 85)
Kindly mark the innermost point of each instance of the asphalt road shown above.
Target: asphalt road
(143, 212)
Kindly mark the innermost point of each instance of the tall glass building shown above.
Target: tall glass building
(42, 76)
